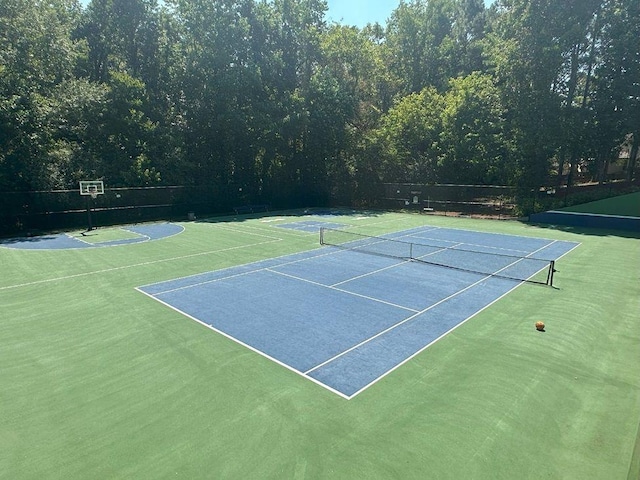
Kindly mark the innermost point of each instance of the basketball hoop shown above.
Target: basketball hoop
(91, 189)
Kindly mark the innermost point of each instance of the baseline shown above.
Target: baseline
(370, 313)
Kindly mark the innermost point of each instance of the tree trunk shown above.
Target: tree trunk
(633, 156)
(603, 167)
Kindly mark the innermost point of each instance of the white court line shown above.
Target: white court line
(199, 284)
(418, 352)
(246, 345)
(568, 251)
(417, 232)
(456, 229)
(245, 232)
(393, 327)
(341, 290)
(414, 316)
(136, 233)
(332, 252)
(270, 228)
(260, 228)
(468, 244)
(395, 222)
(78, 239)
(140, 238)
(182, 229)
(600, 215)
(385, 268)
(141, 264)
(273, 239)
(312, 255)
(370, 273)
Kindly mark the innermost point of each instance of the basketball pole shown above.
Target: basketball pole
(91, 188)
(89, 223)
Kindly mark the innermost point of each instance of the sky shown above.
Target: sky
(358, 12)
(361, 12)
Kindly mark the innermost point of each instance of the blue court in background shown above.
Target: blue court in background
(310, 225)
(342, 318)
(63, 241)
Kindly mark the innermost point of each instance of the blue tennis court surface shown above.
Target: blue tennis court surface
(310, 225)
(343, 318)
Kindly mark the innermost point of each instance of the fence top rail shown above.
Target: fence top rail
(75, 190)
(436, 185)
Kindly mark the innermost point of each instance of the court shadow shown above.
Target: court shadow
(600, 232)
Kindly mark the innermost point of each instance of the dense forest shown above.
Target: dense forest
(269, 97)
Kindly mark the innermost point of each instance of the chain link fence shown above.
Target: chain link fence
(26, 212)
(447, 199)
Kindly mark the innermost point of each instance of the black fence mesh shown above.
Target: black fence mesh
(50, 210)
(495, 200)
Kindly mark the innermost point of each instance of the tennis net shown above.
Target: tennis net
(456, 256)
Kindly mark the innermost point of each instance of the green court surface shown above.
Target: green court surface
(627, 205)
(100, 381)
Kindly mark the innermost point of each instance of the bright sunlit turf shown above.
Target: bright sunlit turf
(100, 381)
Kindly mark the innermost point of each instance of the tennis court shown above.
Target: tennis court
(346, 315)
(102, 381)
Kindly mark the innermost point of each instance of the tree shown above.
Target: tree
(123, 136)
(408, 139)
(462, 49)
(617, 88)
(433, 41)
(472, 139)
(525, 54)
(37, 59)
(121, 36)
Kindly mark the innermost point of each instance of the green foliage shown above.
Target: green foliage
(37, 55)
(409, 138)
(473, 147)
(265, 96)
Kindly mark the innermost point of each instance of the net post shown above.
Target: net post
(403, 250)
(552, 269)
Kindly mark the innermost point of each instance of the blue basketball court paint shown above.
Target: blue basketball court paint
(345, 319)
(143, 232)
